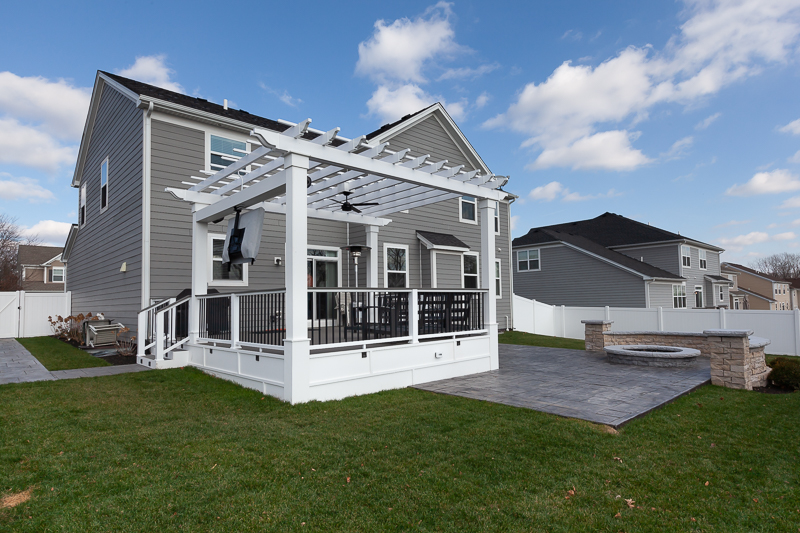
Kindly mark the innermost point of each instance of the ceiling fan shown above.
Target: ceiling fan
(347, 206)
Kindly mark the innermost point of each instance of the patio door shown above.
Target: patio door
(322, 268)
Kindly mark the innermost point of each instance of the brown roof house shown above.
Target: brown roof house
(41, 269)
(758, 290)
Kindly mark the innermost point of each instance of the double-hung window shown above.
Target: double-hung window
(497, 218)
(679, 296)
(224, 152)
(686, 256)
(703, 261)
(82, 210)
(470, 271)
(104, 185)
(220, 275)
(721, 293)
(57, 275)
(498, 285)
(468, 209)
(528, 260)
(396, 266)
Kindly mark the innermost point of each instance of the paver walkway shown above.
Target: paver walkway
(576, 384)
(18, 365)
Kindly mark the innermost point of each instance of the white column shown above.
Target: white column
(200, 274)
(296, 346)
(234, 320)
(374, 254)
(486, 208)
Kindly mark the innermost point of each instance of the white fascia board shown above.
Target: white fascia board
(332, 156)
(56, 258)
(271, 207)
(73, 233)
(442, 112)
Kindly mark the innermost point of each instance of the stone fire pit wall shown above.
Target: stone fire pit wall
(737, 361)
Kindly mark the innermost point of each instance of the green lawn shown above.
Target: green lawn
(529, 339)
(178, 450)
(58, 355)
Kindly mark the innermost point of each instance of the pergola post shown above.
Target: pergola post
(296, 346)
(200, 274)
(374, 253)
(486, 208)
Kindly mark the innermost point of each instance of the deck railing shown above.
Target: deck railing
(338, 317)
(163, 327)
(147, 325)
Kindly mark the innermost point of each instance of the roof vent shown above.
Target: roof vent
(225, 104)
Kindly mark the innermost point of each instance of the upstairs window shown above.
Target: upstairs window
(104, 185)
(396, 266)
(703, 262)
(497, 218)
(468, 209)
(82, 210)
(679, 296)
(57, 274)
(528, 260)
(470, 271)
(224, 152)
(686, 256)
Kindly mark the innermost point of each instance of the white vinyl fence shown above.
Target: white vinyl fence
(24, 314)
(782, 328)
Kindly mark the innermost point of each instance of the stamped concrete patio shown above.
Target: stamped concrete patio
(575, 384)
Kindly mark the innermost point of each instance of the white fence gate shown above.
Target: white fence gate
(24, 314)
(782, 328)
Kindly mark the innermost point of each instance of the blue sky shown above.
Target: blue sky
(685, 115)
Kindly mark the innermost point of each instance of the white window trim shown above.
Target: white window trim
(108, 180)
(227, 135)
(466, 220)
(684, 255)
(223, 282)
(63, 274)
(686, 304)
(702, 257)
(529, 269)
(386, 247)
(499, 276)
(337, 259)
(477, 262)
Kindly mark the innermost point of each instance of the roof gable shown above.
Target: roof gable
(431, 131)
(37, 255)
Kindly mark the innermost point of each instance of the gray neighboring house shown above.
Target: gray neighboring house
(132, 244)
(614, 261)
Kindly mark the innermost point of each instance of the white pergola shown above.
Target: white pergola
(300, 178)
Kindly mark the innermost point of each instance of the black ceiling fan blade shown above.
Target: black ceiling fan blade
(357, 210)
(368, 203)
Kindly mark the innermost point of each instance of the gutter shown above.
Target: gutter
(512, 199)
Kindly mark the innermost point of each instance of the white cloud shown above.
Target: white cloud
(13, 188)
(152, 70)
(795, 158)
(610, 150)
(49, 232)
(57, 106)
(484, 98)
(28, 146)
(738, 243)
(284, 96)
(399, 51)
(721, 42)
(792, 127)
(573, 35)
(678, 149)
(791, 203)
(514, 222)
(468, 73)
(788, 236)
(577, 197)
(705, 123)
(547, 192)
(392, 103)
(776, 181)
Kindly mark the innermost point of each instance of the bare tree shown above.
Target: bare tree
(11, 236)
(782, 266)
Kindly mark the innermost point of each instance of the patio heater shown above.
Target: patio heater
(355, 252)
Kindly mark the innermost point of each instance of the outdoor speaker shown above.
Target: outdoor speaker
(243, 238)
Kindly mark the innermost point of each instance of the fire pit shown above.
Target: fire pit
(648, 355)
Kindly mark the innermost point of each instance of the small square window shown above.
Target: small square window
(528, 260)
(220, 275)
(468, 209)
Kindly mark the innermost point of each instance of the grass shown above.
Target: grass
(178, 450)
(58, 355)
(529, 339)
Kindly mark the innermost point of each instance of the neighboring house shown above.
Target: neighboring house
(132, 245)
(41, 268)
(611, 260)
(760, 290)
(794, 292)
(738, 298)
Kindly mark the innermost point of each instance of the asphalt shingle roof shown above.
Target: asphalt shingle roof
(36, 255)
(749, 270)
(442, 239)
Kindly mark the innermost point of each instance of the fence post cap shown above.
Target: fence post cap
(596, 322)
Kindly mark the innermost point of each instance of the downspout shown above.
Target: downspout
(510, 266)
(146, 199)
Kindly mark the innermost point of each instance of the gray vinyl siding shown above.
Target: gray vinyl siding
(430, 138)
(570, 277)
(113, 237)
(696, 277)
(664, 257)
(661, 295)
(448, 271)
